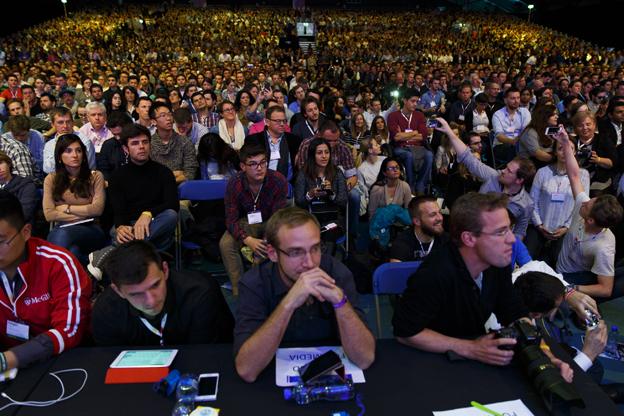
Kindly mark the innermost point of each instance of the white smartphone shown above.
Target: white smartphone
(208, 387)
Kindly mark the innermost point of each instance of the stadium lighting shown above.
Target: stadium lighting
(64, 7)
(530, 7)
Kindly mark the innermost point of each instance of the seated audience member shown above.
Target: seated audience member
(22, 161)
(18, 128)
(23, 188)
(144, 197)
(73, 199)
(426, 236)
(321, 187)
(371, 164)
(62, 123)
(32, 268)
(409, 133)
(16, 108)
(300, 295)
(357, 133)
(230, 128)
(509, 181)
(280, 145)
(313, 120)
(552, 209)
(149, 304)
(454, 291)
(343, 159)
(216, 159)
(170, 148)
(389, 188)
(112, 155)
(533, 142)
(251, 197)
(203, 103)
(508, 123)
(587, 255)
(95, 130)
(596, 154)
(261, 125)
(186, 127)
(380, 133)
(478, 119)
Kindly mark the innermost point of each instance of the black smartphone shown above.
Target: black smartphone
(322, 364)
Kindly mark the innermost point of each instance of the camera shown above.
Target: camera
(556, 393)
(432, 123)
(591, 319)
(583, 153)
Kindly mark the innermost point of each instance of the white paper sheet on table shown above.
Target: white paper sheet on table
(510, 408)
(287, 360)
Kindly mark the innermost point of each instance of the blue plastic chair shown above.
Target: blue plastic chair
(199, 190)
(391, 279)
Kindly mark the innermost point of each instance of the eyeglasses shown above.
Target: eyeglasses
(228, 110)
(10, 240)
(164, 115)
(280, 121)
(299, 253)
(499, 233)
(393, 168)
(256, 165)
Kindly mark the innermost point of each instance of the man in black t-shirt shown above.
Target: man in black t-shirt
(426, 236)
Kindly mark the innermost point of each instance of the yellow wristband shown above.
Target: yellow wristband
(147, 213)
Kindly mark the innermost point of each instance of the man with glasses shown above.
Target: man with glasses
(170, 148)
(251, 198)
(509, 181)
(300, 295)
(456, 288)
(44, 295)
(280, 145)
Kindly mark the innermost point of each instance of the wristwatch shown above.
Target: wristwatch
(67, 211)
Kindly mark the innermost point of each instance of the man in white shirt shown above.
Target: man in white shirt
(508, 123)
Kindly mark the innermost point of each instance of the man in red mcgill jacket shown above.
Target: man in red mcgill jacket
(44, 293)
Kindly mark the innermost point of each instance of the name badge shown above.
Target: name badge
(408, 130)
(254, 217)
(461, 117)
(432, 104)
(557, 197)
(357, 146)
(275, 155)
(17, 330)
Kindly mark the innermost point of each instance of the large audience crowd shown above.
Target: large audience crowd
(383, 125)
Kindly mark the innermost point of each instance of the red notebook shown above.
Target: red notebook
(140, 366)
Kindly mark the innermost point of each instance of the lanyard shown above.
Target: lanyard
(422, 248)
(409, 120)
(255, 198)
(310, 128)
(9, 289)
(155, 331)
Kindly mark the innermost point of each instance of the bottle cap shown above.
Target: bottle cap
(288, 394)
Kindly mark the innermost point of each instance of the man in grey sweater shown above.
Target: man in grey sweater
(509, 181)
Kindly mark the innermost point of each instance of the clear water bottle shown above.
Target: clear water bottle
(304, 394)
(612, 348)
(186, 391)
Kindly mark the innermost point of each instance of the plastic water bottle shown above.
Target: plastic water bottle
(611, 348)
(303, 394)
(186, 391)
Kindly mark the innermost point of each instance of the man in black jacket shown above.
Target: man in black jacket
(281, 146)
(147, 304)
(112, 156)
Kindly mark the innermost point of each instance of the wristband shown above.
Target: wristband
(147, 213)
(3, 363)
(569, 292)
(341, 303)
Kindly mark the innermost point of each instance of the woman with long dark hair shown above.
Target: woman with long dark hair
(216, 159)
(320, 180)
(533, 141)
(389, 187)
(130, 97)
(73, 199)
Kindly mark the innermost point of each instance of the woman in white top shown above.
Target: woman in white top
(229, 128)
(389, 188)
(370, 166)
